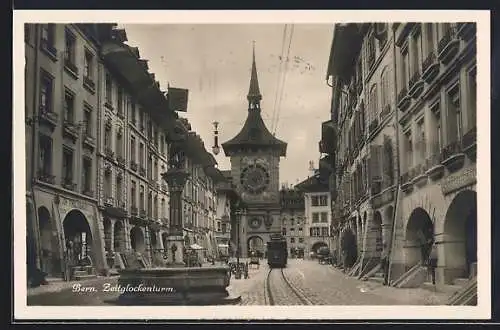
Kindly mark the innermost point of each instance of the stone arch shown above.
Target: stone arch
(317, 245)
(137, 239)
(119, 236)
(419, 237)
(49, 261)
(460, 230)
(349, 247)
(255, 243)
(377, 231)
(78, 237)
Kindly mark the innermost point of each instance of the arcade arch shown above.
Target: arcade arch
(419, 237)
(137, 240)
(78, 237)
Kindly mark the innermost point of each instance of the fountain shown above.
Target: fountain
(176, 284)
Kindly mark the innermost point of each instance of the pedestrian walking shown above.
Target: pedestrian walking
(432, 264)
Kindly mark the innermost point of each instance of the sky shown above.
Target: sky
(214, 62)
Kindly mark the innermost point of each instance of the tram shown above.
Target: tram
(277, 252)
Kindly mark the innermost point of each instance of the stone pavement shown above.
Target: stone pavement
(252, 289)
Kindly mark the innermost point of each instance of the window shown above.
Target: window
(421, 139)
(87, 174)
(323, 200)
(119, 144)
(67, 166)
(472, 88)
(132, 112)
(48, 31)
(150, 167)
(437, 128)
(415, 52)
(454, 114)
(155, 171)
(315, 217)
(324, 231)
(314, 201)
(150, 205)
(155, 207)
(69, 48)
(283, 231)
(324, 217)
(132, 149)
(45, 154)
(409, 149)
(141, 197)
(107, 138)
(224, 227)
(292, 240)
(46, 90)
(300, 231)
(429, 37)
(404, 68)
(107, 184)
(119, 188)
(301, 239)
(162, 209)
(120, 101)
(109, 89)
(69, 107)
(141, 120)
(88, 67)
(133, 198)
(87, 120)
(385, 88)
(141, 154)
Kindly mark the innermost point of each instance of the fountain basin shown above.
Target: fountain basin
(176, 286)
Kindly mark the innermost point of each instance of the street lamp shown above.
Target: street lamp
(240, 211)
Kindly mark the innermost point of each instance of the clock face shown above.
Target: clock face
(254, 178)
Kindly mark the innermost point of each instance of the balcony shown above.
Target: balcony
(109, 105)
(134, 211)
(383, 198)
(466, 31)
(70, 130)
(142, 171)
(46, 177)
(404, 100)
(71, 68)
(452, 157)
(88, 141)
(88, 192)
(89, 84)
(109, 201)
(133, 165)
(406, 183)
(121, 161)
(109, 153)
(416, 85)
(448, 46)
(48, 117)
(164, 187)
(435, 170)
(469, 144)
(430, 68)
(419, 176)
(67, 183)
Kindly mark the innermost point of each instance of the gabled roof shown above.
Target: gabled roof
(313, 184)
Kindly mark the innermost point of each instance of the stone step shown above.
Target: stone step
(84, 277)
(80, 273)
(460, 281)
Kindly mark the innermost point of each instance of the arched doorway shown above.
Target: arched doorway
(119, 237)
(349, 247)
(377, 232)
(460, 229)
(78, 238)
(419, 237)
(255, 243)
(49, 261)
(316, 246)
(137, 240)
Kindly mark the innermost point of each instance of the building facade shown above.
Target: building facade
(317, 213)
(255, 156)
(436, 88)
(293, 221)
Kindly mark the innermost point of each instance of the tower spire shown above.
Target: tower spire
(254, 95)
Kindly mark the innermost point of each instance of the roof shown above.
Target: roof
(313, 184)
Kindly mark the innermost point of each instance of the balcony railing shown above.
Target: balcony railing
(88, 192)
(429, 60)
(446, 38)
(386, 111)
(142, 171)
(109, 152)
(133, 165)
(88, 140)
(71, 68)
(89, 83)
(402, 94)
(373, 125)
(414, 78)
(48, 117)
(121, 160)
(450, 150)
(48, 48)
(70, 129)
(469, 138)
(45, 176)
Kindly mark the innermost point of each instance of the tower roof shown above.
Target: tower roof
(254, 133)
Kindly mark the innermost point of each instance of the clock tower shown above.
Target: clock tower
(255, 156)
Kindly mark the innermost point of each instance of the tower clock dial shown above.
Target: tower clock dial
(254, 178)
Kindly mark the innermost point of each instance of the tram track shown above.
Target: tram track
(280, 291)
